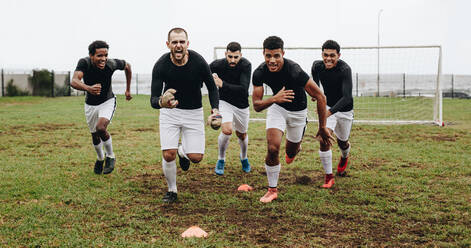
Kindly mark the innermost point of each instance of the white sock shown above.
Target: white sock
(99, 151)
(273, 172)
(181, 152)
(223, 143)
(345, 152)
(108, 148)
(244, 144)
(170, 173)
(326, 160)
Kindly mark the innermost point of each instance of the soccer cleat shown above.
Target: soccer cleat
(329, 181)
(245, 165)
(170, 197)
(271, 195)
(219, 169)
(109, 165)
(288, 159)
(342, 166)
(184, 162)
(98, 167)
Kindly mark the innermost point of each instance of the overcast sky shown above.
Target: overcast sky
(54, 34)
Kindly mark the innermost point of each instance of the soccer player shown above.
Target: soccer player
(336, 78)
(96, 71)
(181, 111)
(232, 77)
(287, 108)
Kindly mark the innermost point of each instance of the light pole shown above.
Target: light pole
(377, 76)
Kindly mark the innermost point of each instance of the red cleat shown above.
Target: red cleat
(288, 159)
(329, 181)
(342, 166)
(271, 195)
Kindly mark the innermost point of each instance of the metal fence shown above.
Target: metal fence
(453, 86)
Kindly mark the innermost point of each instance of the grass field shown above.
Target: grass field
(408, 185)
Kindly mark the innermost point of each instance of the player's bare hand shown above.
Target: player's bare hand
(168, 99)
(313, 99)
(94, 89)
(217, 80)
(284, 96)
(324, 136)
(127, 93)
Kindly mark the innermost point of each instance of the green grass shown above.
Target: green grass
(408, 185)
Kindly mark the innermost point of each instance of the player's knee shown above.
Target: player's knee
(273, 150)
(100, 129)
(241, 135)
(169, 155)
(227, 130)
(195, 157)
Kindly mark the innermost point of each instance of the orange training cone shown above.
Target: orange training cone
(244, 187)
(194, 231)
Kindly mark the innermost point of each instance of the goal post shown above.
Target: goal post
(391, 84)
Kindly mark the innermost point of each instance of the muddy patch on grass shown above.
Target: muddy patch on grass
(213, 203)
(144, 130)
(374, 163)
(52, 126)
(303, 180)
(43, 127)
(414, 165)
(437, 137)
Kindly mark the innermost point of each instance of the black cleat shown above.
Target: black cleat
(184, 162)
(109, 165)
(98, 167)
(170, 197)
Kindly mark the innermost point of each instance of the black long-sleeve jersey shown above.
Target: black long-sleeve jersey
(291, 76)
(236, 80)
(337, 84)
(94, 75)
(187, 80)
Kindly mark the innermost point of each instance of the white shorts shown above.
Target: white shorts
(94, 112)
(341, 124)
(188, 122)
(293, 121)
(238, 117)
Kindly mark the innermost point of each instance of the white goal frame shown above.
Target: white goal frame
(437, 117)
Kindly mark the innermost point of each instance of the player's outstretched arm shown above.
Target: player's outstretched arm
(79, 85)
(128, 72)
(314, 91)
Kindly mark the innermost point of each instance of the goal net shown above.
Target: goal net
(396, 84)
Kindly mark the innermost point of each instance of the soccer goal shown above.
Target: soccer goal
(391, 84)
